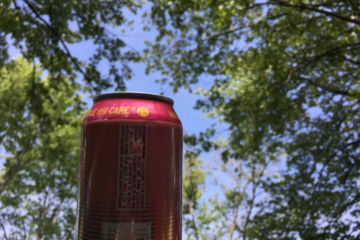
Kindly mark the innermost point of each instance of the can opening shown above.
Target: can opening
(133, 95)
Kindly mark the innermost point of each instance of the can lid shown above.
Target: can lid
(133, 94)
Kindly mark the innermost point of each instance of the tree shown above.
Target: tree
(40, 134)
(40, 118)
(227, 213)
(286, 80)
(198, 216)
(193, 184)
(43, 31)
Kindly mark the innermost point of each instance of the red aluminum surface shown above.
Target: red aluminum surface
(130, 168)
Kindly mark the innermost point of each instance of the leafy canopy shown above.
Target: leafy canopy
(285, 77)
(40, 135)
(40, 117)
(44, 30)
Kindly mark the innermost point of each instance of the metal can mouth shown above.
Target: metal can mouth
(133, 95)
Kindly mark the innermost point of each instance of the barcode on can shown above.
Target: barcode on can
(131, 186)
(126, 231)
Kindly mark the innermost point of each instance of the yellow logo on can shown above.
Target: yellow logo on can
(143, 111)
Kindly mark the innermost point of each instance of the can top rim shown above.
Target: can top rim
(133, 94)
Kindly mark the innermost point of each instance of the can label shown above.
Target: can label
(130, 171)
(131, 190)
(126, 231)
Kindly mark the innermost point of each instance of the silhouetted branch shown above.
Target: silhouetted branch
(326, 88)
(344, 207)
(314, 9)
(223, 33)
(60, 39)
(16, 6)
(3, 228)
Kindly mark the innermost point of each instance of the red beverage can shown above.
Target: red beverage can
(130, 171)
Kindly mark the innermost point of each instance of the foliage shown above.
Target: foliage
(40, 118)
(40, 135)
(193, 187)
(43, 30)
(286, 80)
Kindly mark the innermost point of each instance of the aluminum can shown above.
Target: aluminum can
(130, 171)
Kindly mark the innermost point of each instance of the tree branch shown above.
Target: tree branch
(344, 207)
(60, 39)
(340, 49)
(55, 212)
(233, 225)
(326, 88)
(255, 183)
(224, 33)
(12, 172)
(310, 8)
(16, 6)
(116, 36)
(352, 143)
(69, 235)
(3, 228)
(306, 62)
(351, 60)
(254, 187)
(321, 173)
(304, 22)
(24, 228)
(42, 209)
(356, 8)
(193, 219)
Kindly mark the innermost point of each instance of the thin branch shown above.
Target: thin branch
(321, 173)
(304, 22)
(326, 88)
(309, 7)
(16, 6)
(256, 183)
(329, 159)
(115, 35)
(340, 49)
(224, 33)
(257, 5)
(18, 162)
(344, 207)
(55, 211)
(42, 208)
(193, 219)
(3, 228)
(60, 39)
(356, 8)
(24, 228)
(277, 16)
(351, 60)
(352, 143)
(239, 200)
(233, 224)
(336, 50)
(335, 217)
(254, 186)
(12, 172)
(69, 233)
(292, 70)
